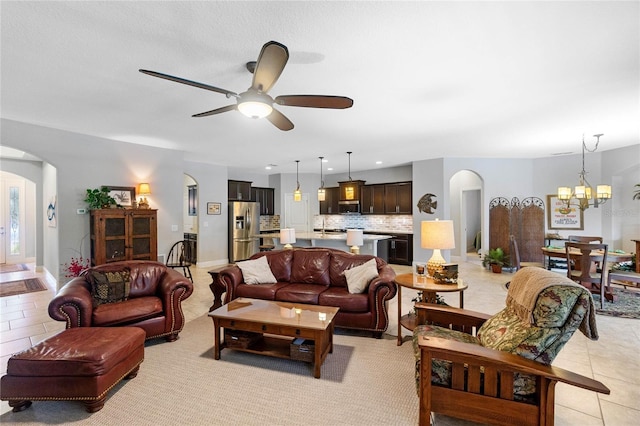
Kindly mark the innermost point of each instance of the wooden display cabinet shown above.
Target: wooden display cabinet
(123, 234)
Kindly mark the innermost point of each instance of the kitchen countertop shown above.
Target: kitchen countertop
(337, 236)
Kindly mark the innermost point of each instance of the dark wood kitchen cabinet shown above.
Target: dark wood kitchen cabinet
(401, 249)
(266, 198)
(372, 199)
(398, 198)
(330, 205)
(239, 190)
(123, 234)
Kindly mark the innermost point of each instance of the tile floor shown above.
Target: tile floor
(613, 359)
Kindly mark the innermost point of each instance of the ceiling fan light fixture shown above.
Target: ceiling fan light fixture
(255, 109)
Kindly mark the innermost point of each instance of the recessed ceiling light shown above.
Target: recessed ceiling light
(329, 168)
(324, 160)
(270, 166)
(378, 162)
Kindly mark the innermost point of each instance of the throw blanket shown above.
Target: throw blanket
(527, 285)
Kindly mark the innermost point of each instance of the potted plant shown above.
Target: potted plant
(99, 198)
(496, 258)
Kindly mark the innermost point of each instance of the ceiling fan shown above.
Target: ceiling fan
(255, 102)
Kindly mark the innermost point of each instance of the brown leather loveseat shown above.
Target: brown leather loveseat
(137, 293)
(316, 276)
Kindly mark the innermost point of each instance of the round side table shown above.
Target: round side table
(429, 290)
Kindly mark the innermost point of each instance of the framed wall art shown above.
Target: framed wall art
(559, 216)
(214, 208)
(124, 195)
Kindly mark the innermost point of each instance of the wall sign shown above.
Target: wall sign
(214, 208)
(561, 217)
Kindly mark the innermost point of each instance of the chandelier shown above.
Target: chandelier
(582, 194)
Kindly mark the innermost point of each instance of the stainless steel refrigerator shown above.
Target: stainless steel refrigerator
(244, 228)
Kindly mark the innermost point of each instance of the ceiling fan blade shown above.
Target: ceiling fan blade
(189, 82)
(216, 111)
(273, 57)
(279, 120)
(315, 101)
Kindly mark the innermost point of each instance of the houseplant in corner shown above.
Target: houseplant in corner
(99, 198)
(496, 258)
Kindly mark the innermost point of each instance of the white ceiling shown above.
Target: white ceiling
(428, 79)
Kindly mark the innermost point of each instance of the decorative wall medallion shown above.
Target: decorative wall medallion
(427, 204)
(51, 212)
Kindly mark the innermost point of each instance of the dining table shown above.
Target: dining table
(613, 256)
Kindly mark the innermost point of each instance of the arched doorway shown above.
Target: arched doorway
(465, 196)
(190, 216)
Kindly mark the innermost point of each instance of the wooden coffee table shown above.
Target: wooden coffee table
(429, 289)
(278, 323)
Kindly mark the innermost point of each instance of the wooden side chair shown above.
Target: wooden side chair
(496, 369)
(582, 267)
(515, 256)
(179, 257)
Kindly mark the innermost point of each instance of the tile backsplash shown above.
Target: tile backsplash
(270, 222)
(400, 223)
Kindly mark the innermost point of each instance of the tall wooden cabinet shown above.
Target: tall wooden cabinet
(123, 234)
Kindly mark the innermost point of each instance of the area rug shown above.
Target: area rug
(30, 285)
(365, 381)
(15, 267)
(626, 304)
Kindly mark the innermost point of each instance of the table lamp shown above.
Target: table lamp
(355, 239)
(436, 235)
(287, 237)
(143, 190)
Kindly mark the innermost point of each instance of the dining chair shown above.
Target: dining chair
(180, 257)
(515, 256)
(582, 260)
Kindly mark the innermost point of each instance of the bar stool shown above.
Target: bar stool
(267, 244)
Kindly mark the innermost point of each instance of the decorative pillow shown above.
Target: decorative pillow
(110, 287)
(358, 278)
(257, 271)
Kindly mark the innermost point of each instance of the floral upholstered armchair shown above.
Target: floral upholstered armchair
(496, 369)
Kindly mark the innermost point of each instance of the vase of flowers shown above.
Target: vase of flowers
(75, 267)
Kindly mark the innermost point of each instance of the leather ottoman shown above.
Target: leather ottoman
(79, 364)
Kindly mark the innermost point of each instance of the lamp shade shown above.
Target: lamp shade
(287, 236)
(144, 189)
(437, 234)
(355, 237)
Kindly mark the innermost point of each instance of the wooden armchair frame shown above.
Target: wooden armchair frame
(482, 378)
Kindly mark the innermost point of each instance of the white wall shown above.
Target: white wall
(621, 214)
(79, 162)
(82, 162)
(212, 229)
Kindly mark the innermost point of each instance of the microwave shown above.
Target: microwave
(349, 207)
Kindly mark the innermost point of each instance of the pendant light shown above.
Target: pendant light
(350, 192)
(322, 194)
(297, 194)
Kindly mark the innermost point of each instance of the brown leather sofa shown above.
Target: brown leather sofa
(316, 276)
(153, 303)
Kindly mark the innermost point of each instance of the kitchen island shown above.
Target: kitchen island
(331, 240)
